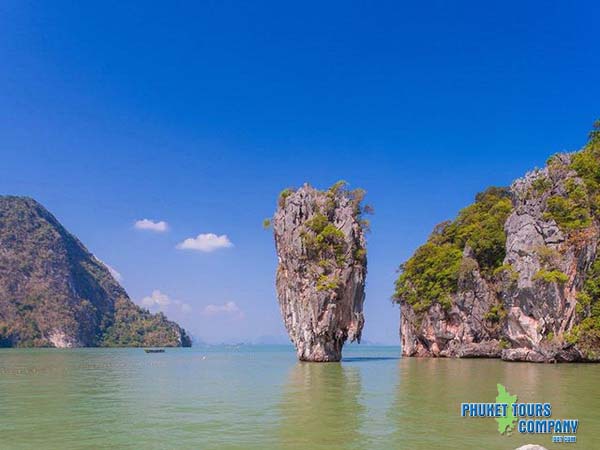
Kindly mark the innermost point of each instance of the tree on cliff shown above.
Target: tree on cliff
(319, 236)
(516, 275)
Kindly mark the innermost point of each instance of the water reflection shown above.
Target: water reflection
(426, 412)
(263, 399)
(320, 407)
(39, 386)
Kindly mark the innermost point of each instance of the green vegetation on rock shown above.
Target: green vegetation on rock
(551, 276)
(574, 210)
(550, 266)
(587, 333)
(325, 242)
(327, 283)
(283, 195)
(571, 212)
(587, 165)
(496, 313)
(136, 327)
(432, 273)
(508, 270)
(541, 185)
(64, 295)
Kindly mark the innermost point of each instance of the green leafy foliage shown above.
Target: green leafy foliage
(551, 276)
(571, 212)
(587, 333)
(549, 257)
(325, 242)
(432, 273)
(356, 196)
(504, 343)
(495, 314)
(541, 185)
(327, 283)
(135, 327)
(506, 269)
(78, 299)
(318, 223)
(481, 227)
(574, 213)
(283, 195)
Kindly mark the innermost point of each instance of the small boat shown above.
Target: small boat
(154, 350)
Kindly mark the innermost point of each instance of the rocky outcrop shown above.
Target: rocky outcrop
(55, 293)
(531, 289)
(537, 305)
(319, 237)
(460, 331)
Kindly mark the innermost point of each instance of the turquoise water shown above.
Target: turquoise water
(260, 397)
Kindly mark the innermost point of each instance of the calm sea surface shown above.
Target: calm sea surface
(260, 397)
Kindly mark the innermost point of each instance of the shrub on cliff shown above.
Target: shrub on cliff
(432, 273)
(587, 333)
(321, 249)
(587, 165)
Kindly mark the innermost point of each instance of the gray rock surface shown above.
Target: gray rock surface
(461, 331)
(537, 313)
(321, 273)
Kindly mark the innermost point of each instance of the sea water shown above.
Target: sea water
(261, 397)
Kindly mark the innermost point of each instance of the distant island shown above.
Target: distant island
(517, 274)
(55, 293)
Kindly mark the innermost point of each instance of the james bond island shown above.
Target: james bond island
(516, 275)
(55, 293)
(320, 241)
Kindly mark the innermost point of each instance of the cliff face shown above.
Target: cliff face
(54, 293)
(516, 275)
(322, 267)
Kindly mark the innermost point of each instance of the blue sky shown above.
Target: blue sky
(199, 113)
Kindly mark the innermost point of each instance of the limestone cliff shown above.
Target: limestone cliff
(319, 236)
(516, 275)
(54, 293)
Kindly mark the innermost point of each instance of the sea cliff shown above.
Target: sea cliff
(516, 274)
(321, 249)
(55, 293)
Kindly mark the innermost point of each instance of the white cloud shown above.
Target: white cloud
(157, 298)
(115, 274)
(228, 308)
(159, 301)
(206, 243)
(147, 224)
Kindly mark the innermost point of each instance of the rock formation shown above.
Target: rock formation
(54, 293)
(319, 236)
(516, 275)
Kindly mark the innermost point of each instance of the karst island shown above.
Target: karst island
(517, 274)
(321, 250)
(55, 293)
